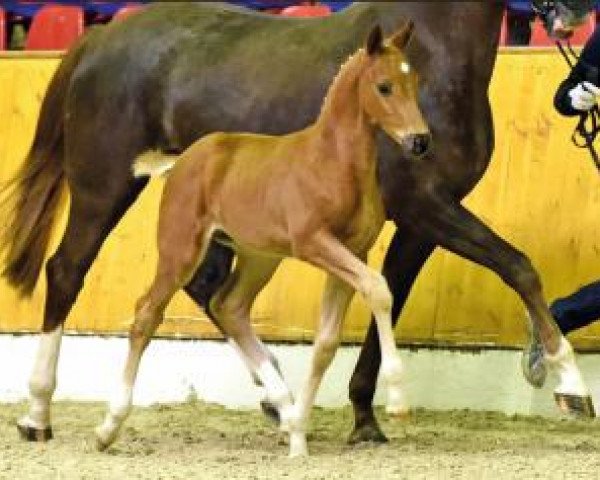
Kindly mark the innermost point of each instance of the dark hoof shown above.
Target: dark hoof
(101, 446)
(31, 434)
(270, 411)
(578, 406)
(369, 433)
(534, 365)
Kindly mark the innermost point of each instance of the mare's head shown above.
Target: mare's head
(389, 88)
(561, 17)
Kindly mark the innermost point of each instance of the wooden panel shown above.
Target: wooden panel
(540, 193)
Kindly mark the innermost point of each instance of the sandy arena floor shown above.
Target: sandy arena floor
(206, 442)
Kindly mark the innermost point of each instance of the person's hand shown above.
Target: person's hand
(584, 96)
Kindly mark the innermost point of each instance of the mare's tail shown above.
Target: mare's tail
(32, 197)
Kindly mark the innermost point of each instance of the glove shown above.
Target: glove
(584, 96)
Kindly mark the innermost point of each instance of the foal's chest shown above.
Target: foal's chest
(365, 220)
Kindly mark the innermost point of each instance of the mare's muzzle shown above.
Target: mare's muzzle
(418, 144)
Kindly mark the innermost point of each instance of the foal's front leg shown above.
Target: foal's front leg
(336, 298)
(331, 255)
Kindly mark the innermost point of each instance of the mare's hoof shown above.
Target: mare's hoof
(534, 365)
(368, 433)
(32, 434)
(101, 446)
(270, 411)
(576, 405)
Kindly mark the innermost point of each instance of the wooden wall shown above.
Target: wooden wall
(540, 193)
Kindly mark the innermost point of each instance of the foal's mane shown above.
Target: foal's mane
(350, 69)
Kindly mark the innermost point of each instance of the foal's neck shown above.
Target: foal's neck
(342, 121)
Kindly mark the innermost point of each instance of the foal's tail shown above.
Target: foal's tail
(31, 198)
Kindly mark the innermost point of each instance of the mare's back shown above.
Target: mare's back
(195, 68)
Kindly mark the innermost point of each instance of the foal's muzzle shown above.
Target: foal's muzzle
(418, 144)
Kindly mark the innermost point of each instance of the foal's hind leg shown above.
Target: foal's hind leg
(208, 279)
(231, 308)
(91, 218)
(182, 243)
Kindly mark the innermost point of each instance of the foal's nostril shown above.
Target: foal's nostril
(420, 144)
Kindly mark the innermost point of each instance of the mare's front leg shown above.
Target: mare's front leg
(453, 227)
(336, 298)
(404, 259)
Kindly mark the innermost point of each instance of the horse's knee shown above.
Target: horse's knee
(377, 294)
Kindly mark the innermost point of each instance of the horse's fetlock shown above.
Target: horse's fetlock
(42, 387)
(290, 418)
(393, 371)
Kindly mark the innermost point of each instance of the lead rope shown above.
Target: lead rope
(588, 127)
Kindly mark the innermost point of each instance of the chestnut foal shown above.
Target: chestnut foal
(312, 195)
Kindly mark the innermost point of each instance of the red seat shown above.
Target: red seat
(55, 27)
(2, 29)
(306, 11)
(539, 37)
(504, 31)
(127, 10)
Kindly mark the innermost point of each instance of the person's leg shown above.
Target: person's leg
(579, 309)
(518, 29)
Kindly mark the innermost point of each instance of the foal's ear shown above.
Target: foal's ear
(401, 38)
(375, 41)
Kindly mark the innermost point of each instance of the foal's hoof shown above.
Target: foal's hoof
(270, 411)
(576, 405)
(368, 433)
(534, 365)
(32, 434)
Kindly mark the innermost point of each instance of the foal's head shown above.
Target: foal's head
(388, 90)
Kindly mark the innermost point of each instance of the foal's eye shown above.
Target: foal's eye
(385, 89)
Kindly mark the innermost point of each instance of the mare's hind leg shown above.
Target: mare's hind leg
(231, 311)
(91, 218)
(447, 223)
(452, 226)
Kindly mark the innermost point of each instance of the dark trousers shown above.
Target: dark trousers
(578, 309)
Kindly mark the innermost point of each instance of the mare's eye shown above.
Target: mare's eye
(385, 89)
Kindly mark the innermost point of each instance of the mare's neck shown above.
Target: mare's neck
(342, 123)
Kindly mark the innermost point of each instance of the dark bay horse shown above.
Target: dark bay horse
(311, 194)
(176, 71)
